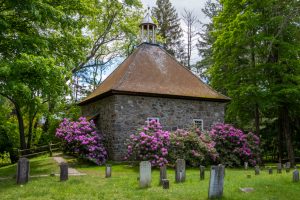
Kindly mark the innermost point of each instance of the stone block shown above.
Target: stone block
(216, 182)
(162, 174)
(202, 172)
(23, 170)
(107, 171)
(180, 170)
(64, 171)
(296, 176)
(145, 174)
(165, 183)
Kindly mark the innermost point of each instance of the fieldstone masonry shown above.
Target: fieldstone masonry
(121, 115)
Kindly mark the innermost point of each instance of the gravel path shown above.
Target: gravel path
(71, 170)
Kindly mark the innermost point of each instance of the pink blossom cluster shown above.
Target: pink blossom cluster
(234, 145)
(151, 143)
(81, 138)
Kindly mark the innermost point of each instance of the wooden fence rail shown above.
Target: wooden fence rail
(39, 150)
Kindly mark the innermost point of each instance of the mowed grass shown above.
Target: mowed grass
(124, 185)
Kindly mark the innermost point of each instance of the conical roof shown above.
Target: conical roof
(147, 20)
(151, 71)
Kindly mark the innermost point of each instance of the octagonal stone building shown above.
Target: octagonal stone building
(150, 84)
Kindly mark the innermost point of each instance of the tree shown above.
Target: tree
(206, 39)
(39, 43)
(169, 28)
(256, 61)
(190, 21)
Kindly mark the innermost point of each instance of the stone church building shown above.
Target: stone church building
(150, 84)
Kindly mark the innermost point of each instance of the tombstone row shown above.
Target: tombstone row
(23, 171)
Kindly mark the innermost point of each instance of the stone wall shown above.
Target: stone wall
(121, 115)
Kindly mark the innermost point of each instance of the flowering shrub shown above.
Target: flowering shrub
(81, 138)
(233, 146)
(193, 146)
(151, 143)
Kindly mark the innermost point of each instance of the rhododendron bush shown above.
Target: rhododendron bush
(81, 139)
(234, 146)
(194, 146)
(160, 147)
(151, 143)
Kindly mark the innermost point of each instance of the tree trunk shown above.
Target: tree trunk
(256, 119)
(284, 117)
(21, 126)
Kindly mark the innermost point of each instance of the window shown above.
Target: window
(198, 123)
(152, 118)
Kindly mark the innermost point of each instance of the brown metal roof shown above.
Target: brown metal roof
(151, 70)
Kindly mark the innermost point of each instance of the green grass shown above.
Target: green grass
(124, 185)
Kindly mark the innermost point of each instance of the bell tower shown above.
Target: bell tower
(148, 29)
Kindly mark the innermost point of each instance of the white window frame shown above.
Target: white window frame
(151, 118)
(196, 125)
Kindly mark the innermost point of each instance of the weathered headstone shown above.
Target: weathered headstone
(216, 182)
(296, 176)
(23, 170)
(145, 174)
(202, 172)
(64, 171)
(163, 174)
(180, 170)
(256, 168)
(287, 166)
(279, 168)
(107, 171)
(246, 165)
(165, 183)
(270, 171)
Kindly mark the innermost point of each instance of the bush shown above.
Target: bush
(193, 146)
(151, 143)
(161, 147)
(81, 139)
(235, 147)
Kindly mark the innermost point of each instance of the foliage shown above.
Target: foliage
(162, 147)
(151, 143)
(81, 138)
(194, 146)
(169, 28)
(235, 147)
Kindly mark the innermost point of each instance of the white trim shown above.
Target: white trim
(151, 118)
(195, 121)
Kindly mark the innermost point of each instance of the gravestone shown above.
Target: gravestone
(256, 168)
(23, 169)
(180, 170)
(163, 174)
(246, 165)
(107, 171)
(64, 171)
(279, 168)
(287, 166)
(165, 183)
(145, 174)
(270, 171)
(216, 182)
(248, 176)
(202, 172)
(296, 176)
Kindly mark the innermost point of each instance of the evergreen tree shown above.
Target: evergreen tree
(169, 28)
(256, 63)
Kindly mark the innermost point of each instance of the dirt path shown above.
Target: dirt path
(73, 172)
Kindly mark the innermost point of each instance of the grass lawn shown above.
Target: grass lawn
(124, 185)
